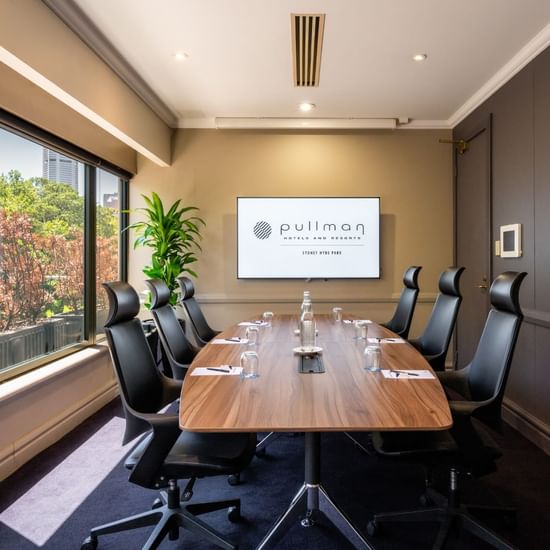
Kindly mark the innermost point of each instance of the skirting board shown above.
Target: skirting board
(54, 430)
(529, 426)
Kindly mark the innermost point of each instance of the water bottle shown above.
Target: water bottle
(306, 306)
(307, 327)
(306, 303)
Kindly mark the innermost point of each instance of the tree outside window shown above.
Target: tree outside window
(42, 255)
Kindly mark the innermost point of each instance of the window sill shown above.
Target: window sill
(12, 388)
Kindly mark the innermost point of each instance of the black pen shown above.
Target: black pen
(234, 339)
(218, 370)
(405, 372)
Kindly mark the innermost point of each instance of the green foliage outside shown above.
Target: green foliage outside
(54, 208)
(42, 249)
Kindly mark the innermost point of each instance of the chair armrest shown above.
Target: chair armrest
(171, 390)
(456, 380)
(415, 343)
(467, 409)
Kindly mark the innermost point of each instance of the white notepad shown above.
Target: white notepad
(407, 374)
(252, 324)
(352, 321)
(386, 341)
(230, 341)
(221, 370)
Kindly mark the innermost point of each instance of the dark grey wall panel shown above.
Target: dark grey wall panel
(541, 101)
(521, 194)
(542, 374)
(513, 194)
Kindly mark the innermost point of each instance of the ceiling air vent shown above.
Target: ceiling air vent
(307, 42)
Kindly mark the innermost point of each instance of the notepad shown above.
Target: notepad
(204, 371)
(253, 324)
(352, 321)
(407, 374)
(228, 341)
(386, 341)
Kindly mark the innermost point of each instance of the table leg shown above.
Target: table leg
(314, 498)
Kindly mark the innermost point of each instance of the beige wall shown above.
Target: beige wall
(408, 169)
(40, 407)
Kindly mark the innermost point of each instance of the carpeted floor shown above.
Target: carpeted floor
(81, 482)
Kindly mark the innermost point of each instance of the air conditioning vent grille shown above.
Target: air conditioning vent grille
(307, 43)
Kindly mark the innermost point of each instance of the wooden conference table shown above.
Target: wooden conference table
(345, 397)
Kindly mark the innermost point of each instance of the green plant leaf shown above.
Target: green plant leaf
(172, 238)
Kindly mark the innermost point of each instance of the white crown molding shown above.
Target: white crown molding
(71, 14)
(418, 124)
(303, 123)
(535, 46)
(206, 122)
(210, 122)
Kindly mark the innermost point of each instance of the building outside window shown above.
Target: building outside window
(45, 307)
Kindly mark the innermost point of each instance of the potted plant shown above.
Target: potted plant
(173, 235)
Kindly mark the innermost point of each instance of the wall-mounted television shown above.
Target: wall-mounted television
(308, 237)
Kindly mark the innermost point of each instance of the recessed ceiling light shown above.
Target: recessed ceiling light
(307, 107)
(180, 56)
(420, 56)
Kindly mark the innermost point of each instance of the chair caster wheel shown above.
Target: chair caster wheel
(261, 453)
(233, 514)
(234, 479)
(157, 503)
(373, 528)
(89, 543)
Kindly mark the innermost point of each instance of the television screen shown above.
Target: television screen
(308, 237)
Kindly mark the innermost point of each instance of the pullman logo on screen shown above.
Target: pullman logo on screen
(262, 230)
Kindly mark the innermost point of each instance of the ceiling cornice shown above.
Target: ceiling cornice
(210, 123)
(71, 14)
(535, 46)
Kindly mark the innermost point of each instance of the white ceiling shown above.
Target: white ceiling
(240, 61)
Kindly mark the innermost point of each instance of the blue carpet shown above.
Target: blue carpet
(361, 484)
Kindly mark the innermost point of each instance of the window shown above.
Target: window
(107, 198)
(60, 238)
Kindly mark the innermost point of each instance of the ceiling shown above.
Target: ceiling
(240, 62)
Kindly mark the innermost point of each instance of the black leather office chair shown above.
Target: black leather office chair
(400, 323)
(201, 329)
(434, 342)
(179, 351)
(476, 397)
(164, 454)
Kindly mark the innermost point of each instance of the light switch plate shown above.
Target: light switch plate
(497, 248)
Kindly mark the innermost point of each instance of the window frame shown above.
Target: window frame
(92, 163)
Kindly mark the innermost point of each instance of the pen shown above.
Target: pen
(404, 372)
(218, 370)
(234, 339)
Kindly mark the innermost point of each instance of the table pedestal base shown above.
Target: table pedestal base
(312, 498)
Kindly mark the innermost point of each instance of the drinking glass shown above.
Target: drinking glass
(267, 318)
(361, 330)
(249, 364)
(373, 358)
(337, 314)
(253, 335)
